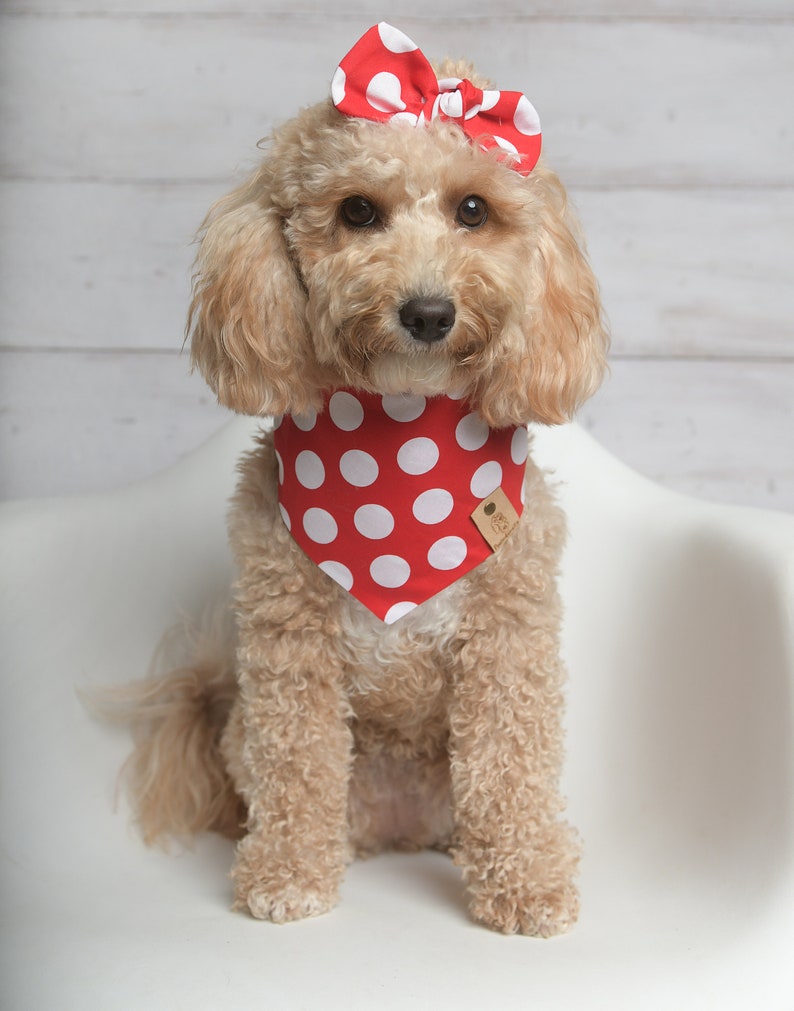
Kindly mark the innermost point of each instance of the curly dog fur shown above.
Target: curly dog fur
(320, 732)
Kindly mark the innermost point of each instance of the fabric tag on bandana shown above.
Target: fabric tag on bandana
(380, 492)
(496, 519)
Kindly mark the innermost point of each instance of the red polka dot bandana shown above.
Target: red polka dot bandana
(385, 76)
(379, 491)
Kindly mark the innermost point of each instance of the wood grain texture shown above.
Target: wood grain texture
(719, 429)
(704, 272)
(115, 262)
(373, 10)
(669, 122)
(668, 103)
(94, 421)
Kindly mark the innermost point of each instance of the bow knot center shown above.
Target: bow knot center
(459, 99)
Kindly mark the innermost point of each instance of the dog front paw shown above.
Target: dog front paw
(289, 903)
(535, 913)
(270, 889)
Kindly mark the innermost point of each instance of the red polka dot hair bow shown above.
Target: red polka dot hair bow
(385, 76)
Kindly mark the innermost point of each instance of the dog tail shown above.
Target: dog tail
(176, 776)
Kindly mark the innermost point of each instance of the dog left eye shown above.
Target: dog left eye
(472, 212)
(358, 212)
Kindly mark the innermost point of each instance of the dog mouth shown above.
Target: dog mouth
(429, 340)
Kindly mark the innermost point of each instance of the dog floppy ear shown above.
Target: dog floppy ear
(246, 322)
(558, 357)
(568, 337)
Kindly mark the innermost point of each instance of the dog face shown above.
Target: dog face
(389, 258)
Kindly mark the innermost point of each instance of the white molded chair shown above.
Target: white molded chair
(680, 773)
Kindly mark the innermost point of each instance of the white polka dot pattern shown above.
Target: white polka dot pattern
(309, 469)
(394, 40)
(447, 553)
(383, 93)
(338, 90)
(526, 119)
(305, 422)
(385, 76)
(338, 572)
(346, 411)
(379, 492)
(359, 468)
(320, 525)
(398, 610)
(404, 407)
(486, 479)
(519, 446)
(373, 521)
(433, 506)
(471, 432)
(390, 571)
(417, 456)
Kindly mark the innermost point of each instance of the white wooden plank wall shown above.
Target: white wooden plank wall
(669, 120)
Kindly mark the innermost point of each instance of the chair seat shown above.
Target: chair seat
(679, 636)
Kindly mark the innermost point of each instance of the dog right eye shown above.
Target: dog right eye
(358, 212)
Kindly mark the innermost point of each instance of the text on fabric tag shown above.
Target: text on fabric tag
(496, 519)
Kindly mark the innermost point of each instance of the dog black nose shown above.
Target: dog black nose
(428, 319)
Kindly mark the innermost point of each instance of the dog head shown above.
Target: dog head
(391, 258)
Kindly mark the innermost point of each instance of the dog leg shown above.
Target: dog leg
(292, 768)
(518, 857)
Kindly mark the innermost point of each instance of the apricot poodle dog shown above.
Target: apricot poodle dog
(400, 287)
